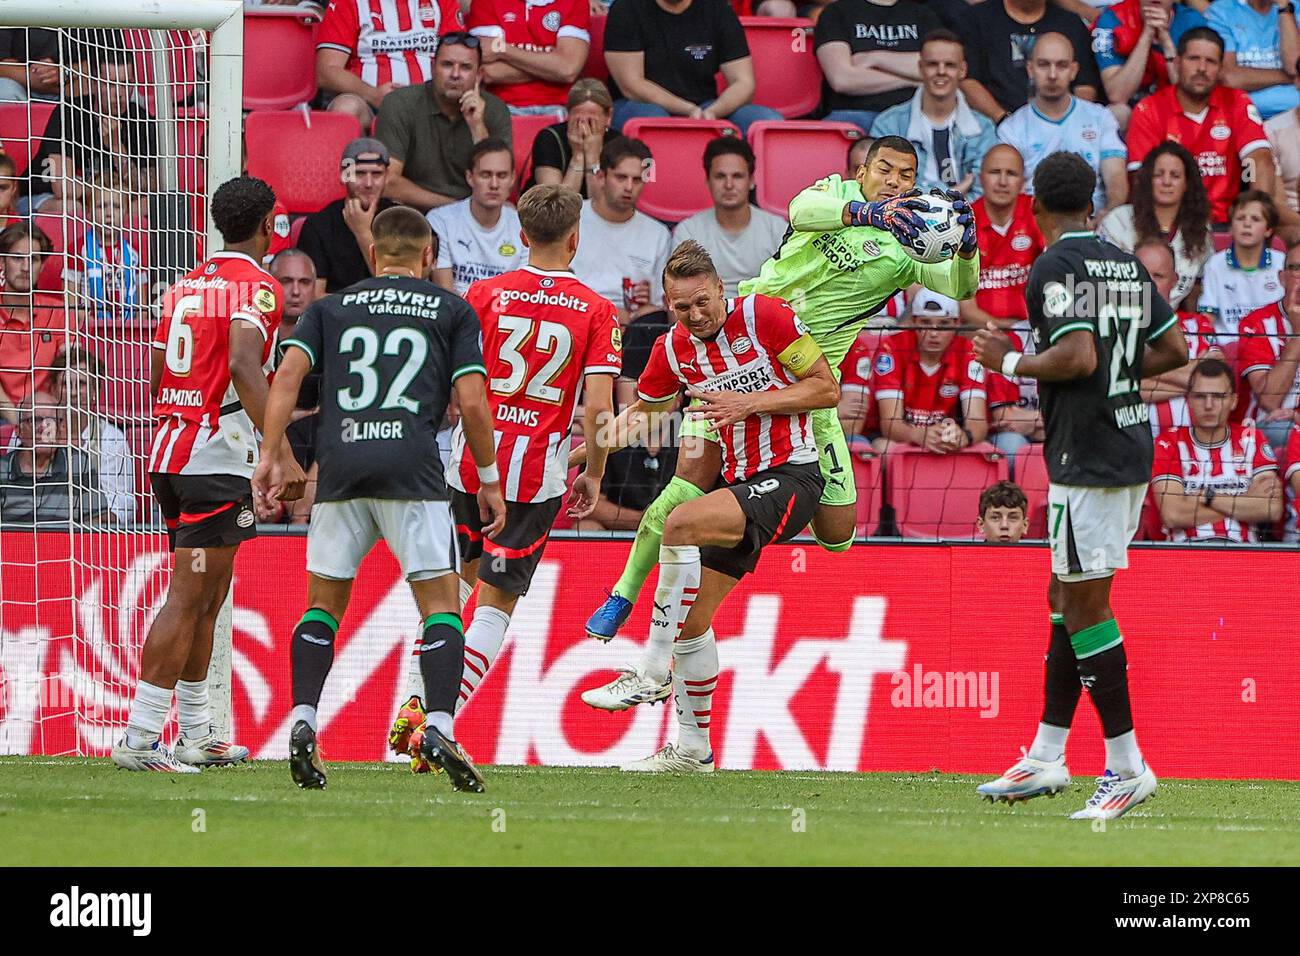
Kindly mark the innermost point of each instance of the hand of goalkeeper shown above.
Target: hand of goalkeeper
(965, 218)
(896, 216)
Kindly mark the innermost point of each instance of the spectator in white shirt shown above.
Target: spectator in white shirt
(622, 251)
(77, 382)
(1243, 277)
(739, 237)
(478, 237)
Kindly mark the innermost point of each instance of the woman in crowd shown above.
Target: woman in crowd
(568, 152)
(1168, 203)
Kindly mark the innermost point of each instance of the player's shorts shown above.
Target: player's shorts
(419, 533)
(510, 558)
(205, 511)
(1090, 529)
(833, 457)
(778, 504)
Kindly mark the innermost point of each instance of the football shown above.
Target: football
(941, 236)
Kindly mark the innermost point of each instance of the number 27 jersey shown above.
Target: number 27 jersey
(1098, 427)
(542, 333)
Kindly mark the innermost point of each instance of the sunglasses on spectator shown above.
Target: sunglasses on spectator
(460, 38)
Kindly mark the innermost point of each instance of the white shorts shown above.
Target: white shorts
(421, 535)
(1090, 529)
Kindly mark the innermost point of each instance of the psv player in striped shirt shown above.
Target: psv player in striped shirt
(757, 374)
(211, 355)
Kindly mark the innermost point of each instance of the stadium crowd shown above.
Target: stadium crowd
(1188, 112)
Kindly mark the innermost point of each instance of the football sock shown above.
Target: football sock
(482, 644)
(833, 546)
(1123, 756)
(1103, 669)
(414, 679)
(312, 655)
(679, 583)
(148, 714)
(193, 711)
(649, 536)
(303, 712)
(695, 676)
(1061, 687)
(1049, 743)
(442, 657)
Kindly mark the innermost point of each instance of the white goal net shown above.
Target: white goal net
(117, 123)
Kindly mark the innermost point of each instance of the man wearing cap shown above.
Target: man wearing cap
(338, 237)
(929, 389)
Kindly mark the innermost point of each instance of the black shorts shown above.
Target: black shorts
(778, 504)
(205, 511)
(513, 555)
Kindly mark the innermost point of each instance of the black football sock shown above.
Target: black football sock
(1103, 669)
(1061, 686)
(312, 656)
(442, 662)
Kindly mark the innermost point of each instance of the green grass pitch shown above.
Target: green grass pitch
(85, 812)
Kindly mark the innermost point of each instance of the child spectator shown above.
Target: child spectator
(1268, 360)
(1243, 277)
(113, 278)
(1004, 513)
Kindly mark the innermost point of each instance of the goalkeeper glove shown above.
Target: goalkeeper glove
(965, 219)
(896, 216)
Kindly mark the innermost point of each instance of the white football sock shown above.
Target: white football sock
(1123, 756)
(415, 679)
(482, 643)
(442, 721)
(1049, 743)
(148, 714)
(695, 677)
(303, 712)
(679, 584)
(192, 709)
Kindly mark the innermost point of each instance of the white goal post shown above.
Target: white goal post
(216, 28)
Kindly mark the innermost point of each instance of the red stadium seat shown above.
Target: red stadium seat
(676, 187)
(1152, 526)
(298, 153)
(524, 130)
(295, 230)
(787, 75)
(866, 476)
(279, 57)
(1031, 476)
(938, 495)
(596, 68)
(65, 234)
(22, 125)
(178, 62)
(793, 154)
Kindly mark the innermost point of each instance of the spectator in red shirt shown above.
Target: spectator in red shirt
(1218, 125)
(365, 49)
(1268, 360)
(1214, 480)
(1291, 534)
(857, 411)
(532, 50)
(33, 325)
(1167, 393)
(928, 388)
(1004, 513)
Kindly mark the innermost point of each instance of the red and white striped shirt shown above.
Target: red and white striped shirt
(543, 332)
(201, 427)
(742, 357)
(1292, 518)
(388, 41)
(1263, 336)
(1228, 467)
(1198, 328)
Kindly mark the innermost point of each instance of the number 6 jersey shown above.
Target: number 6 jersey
(542, 333)
(388, 350)
(1098, 427)
(201, 427)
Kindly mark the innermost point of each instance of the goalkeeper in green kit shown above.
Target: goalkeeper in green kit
(842, 259)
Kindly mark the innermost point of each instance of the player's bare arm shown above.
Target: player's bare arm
(598, 396)
(272, 481)
(1074, 355)
(476, 418)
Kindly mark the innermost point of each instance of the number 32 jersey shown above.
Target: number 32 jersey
(1098, 427)
(201, 429)
(388, 350)
(543, 332)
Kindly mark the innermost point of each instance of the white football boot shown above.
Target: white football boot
(155, 757)
(670, 760)
(1029, 778)
(209, 751)
(627, 690)
(1117, 795)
